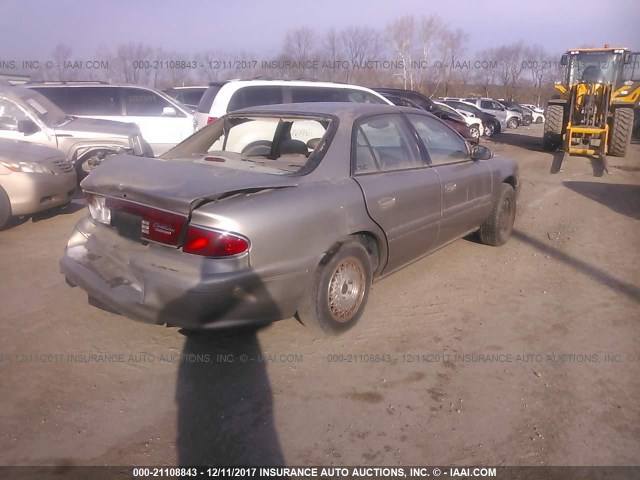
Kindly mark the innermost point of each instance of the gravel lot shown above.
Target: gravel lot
(525, 354)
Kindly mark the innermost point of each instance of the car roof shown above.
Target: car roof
(326, 108)
(16, 92)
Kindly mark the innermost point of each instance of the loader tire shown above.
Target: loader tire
(621, 128)
(552, 139)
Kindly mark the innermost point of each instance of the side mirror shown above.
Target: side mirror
(564, 60)
(480, 152)
(169, 112)
(28, 127)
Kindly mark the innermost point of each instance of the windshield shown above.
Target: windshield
(594, 67)
(277, 145)
(40, 106)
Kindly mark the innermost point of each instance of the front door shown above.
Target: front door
(466, 183)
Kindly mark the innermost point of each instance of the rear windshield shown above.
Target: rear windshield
(204, 105)
(279, 145)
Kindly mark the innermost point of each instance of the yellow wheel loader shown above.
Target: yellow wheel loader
(593, 113)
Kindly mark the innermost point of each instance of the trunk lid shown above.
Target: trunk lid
(176, 185)
(150, 199)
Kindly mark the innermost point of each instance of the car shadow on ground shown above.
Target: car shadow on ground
(621, 198)
(530, 142)
(68, 209)
(602, 277)
(225, 408)
(223, 393)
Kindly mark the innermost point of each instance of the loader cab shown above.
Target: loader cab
(605, 66)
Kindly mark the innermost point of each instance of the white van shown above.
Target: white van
(224, 97)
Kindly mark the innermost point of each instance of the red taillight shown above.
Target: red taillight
(213, 243)
(155, 225)
(211, 120)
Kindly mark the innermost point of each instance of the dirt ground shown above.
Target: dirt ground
(526, 354)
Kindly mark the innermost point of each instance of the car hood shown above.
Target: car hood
(94, 127)
(176, 185)
(16, 150)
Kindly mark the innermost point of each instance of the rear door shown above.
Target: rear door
(402, 193)
(466, 184)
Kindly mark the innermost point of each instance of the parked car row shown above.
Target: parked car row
(89, 121)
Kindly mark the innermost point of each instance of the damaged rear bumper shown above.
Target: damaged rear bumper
(161, 285)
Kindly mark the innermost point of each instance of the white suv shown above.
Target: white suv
(163, 121)
(225, 97)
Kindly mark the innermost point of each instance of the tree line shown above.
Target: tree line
(414, 52)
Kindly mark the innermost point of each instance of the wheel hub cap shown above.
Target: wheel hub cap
(346, 289)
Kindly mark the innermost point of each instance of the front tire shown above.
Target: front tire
(5, 209)
(497, 228)
(621, 128)
(512, 123)
(489, 130)
(553, 126)
(474, 131)
(339, 291)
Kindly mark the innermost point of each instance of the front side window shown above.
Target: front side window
(10, 115)
(487, 104)
(383, 143)
(443, 145)
(143, 103)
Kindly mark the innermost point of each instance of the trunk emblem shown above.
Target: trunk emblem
(158, 227)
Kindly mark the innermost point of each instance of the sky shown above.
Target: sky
(31, 28)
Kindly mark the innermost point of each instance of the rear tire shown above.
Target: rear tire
(622, 126)
(497, 228)
(5, 209)
(553, 126)
(512, 123)
(474, 131)
(339, 291)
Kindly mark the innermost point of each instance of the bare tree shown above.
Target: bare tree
(487, 72)
(537, 62)
(61, 54)
(510, 61)
(331, 54)
(429, 30)
(401, 33)
(131, 58)
(298, 46)
(452, 45)
(362, 45)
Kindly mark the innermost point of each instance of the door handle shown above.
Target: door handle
(387, 202)
(450, 187)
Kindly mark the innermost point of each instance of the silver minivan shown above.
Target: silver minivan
(506, 117)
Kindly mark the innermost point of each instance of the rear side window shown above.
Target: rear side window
(487, 104)
(255, 96)
(143, 103)
(204, 105)
(99, 101)
(315, 94)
